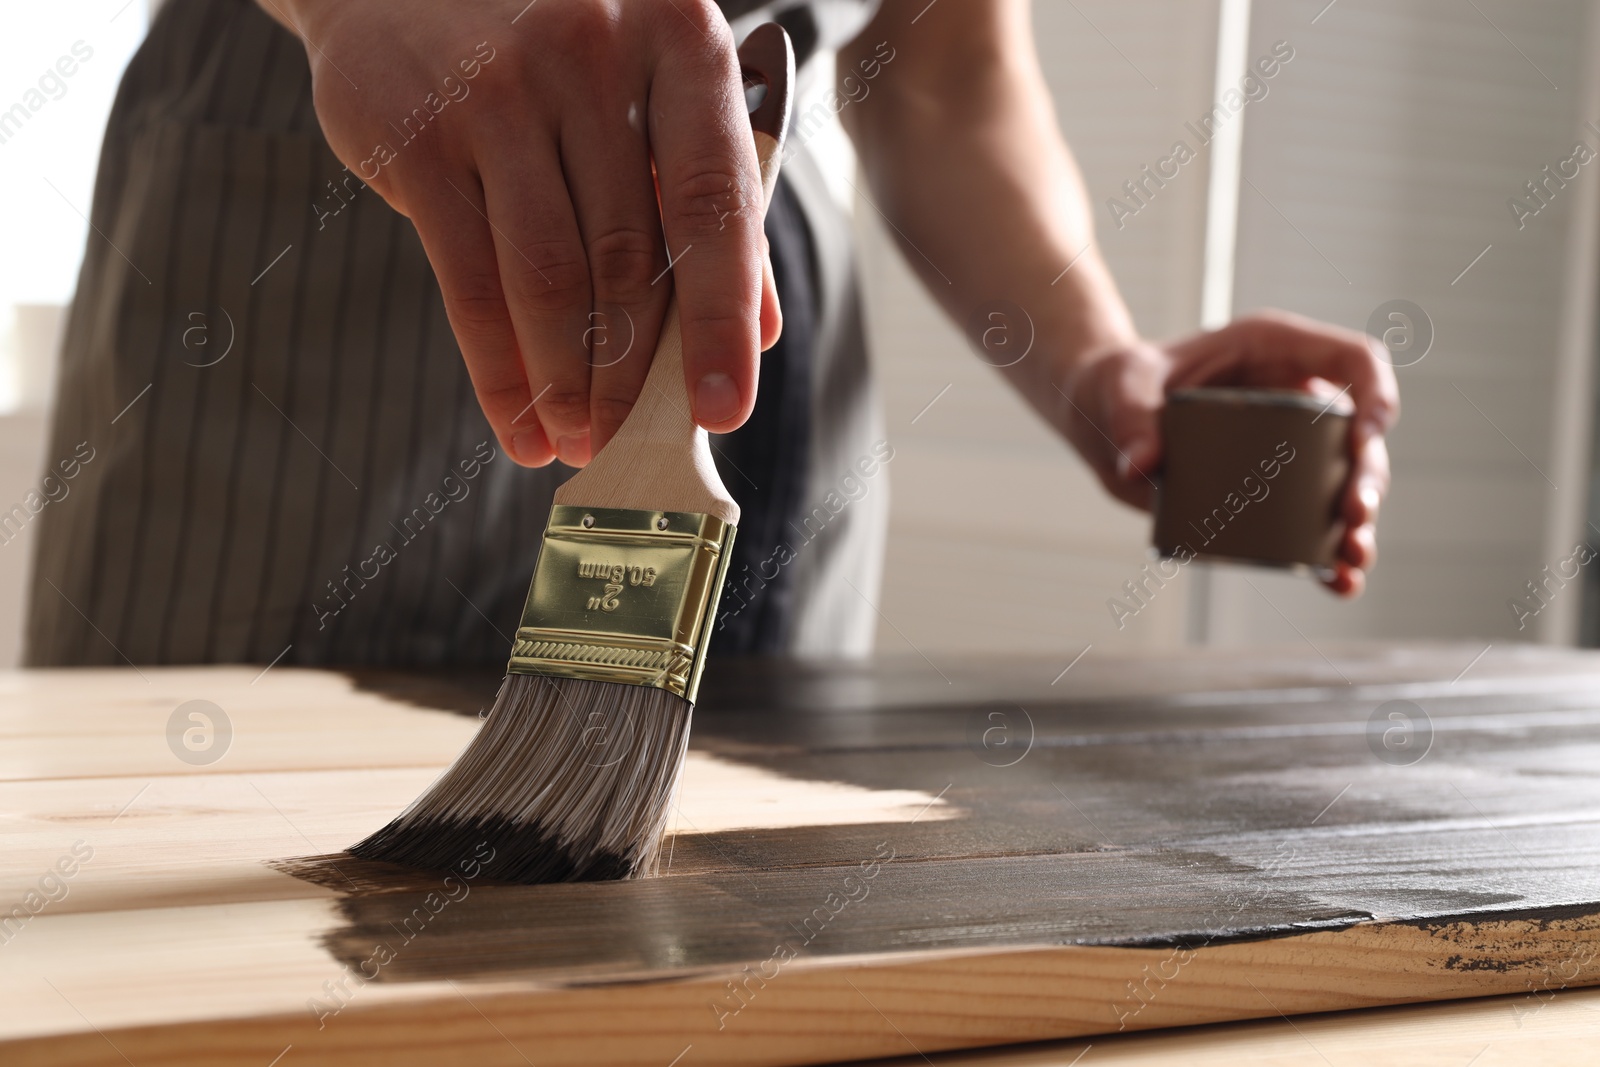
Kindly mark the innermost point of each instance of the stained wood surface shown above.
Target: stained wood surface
(854, 872)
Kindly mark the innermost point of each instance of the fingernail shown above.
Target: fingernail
(1370, 497)
(716, 398)
(573, 449)
(525, 446)
(1361, 546)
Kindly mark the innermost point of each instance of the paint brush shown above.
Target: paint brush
(573, 774)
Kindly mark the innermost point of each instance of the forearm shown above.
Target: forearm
(982, 193)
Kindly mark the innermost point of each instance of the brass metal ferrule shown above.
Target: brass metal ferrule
(624, 596)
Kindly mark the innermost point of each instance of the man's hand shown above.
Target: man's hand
(1113, 417)
(519, 138)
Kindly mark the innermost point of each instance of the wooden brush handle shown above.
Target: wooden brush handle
(660, 460)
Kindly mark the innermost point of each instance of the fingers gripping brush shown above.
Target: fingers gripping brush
(572, 776)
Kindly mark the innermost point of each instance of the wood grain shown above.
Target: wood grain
(1187, 841)
(1507, 1031)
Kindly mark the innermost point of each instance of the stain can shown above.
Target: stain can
(1253, 476)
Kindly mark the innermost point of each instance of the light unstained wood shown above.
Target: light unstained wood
(99, 723)
(1543, 1027)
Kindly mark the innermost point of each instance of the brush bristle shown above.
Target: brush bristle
(568, 781)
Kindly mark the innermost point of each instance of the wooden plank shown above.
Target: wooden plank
(806, 1013)
(1202, 839)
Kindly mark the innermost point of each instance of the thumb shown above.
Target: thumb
(1136, 425)
(1114, 404)
(1139, 447)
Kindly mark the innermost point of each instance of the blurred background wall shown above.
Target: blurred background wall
(1378, 167)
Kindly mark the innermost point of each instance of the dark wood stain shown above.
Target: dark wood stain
(354, 876)
(1188, 806)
